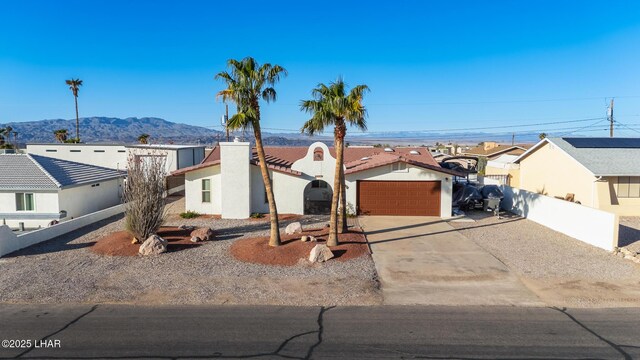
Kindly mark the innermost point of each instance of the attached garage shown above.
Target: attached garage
(402, 198)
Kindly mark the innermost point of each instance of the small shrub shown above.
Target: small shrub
(189, 214)
(351, 211)
(257, 215)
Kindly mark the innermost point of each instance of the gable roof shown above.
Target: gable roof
(35, 172)
(601, 156)
(281, 158)
(498, 149)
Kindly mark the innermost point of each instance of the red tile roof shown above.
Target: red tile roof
(356, 158)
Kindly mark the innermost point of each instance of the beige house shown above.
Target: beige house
(492, 150)
(602, 173)
(504, 165)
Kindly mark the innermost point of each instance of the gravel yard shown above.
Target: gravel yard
(629, 234)
(64, 270)
(561, 270)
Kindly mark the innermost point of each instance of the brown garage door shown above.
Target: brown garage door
(399, 198)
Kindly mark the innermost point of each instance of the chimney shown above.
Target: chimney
(235, 180)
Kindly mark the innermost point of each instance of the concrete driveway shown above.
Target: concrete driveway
(423, 260)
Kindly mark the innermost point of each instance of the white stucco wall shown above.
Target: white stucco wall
(592, 226)
(85, 199)
(235, 180)
(109, 156)
(45, 207)
(412, 173)
(193, 191)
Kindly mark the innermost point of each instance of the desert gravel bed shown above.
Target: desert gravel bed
(629, 234)
(64, 270)
(557, 267)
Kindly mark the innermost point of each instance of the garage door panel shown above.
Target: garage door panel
(399, 198)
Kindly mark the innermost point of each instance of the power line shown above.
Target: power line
(626, 126)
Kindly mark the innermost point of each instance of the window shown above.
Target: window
(51, 150)
(98, 150)
(399, 166)
(74, 150)
(24, 202)
(318, 154)
(628, 187)
(94, 185)
(206, 190)
(121, 151)
(318, 184)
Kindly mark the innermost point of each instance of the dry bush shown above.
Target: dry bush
(144, 194)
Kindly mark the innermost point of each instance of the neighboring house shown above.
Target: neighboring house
(504, 166)
(115, 156)
(492, 150)
(400, 181)
(603, 173)
(35, 190)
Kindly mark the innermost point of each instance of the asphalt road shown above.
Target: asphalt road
(197, 332)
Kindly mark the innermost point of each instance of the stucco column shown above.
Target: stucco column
(235, 181)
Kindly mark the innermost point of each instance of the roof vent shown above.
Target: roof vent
(388, 150)
(414, 152)
(365, 158)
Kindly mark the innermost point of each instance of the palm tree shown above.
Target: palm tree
(74, 85)
(144, 138)
(5, 134)
(331, 105)
(542, 136)
(61, 135)
(247, 82)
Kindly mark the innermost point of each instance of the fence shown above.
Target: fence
(495, 179)
(592, 226)
(10, 242)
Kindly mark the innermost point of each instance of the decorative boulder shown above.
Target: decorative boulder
(186, 227)
(293, 228)
(320, 253)
(154, 245)
(304, 238)
(205, 233)
(195, 239)
(313, 239)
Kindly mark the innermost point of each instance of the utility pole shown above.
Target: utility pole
(611, 119)
(226, 119)
(513, 139)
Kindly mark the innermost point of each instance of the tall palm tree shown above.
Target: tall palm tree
(74, 85)
(542, 136)
(248, 82)
(61, 135)
(331, 105)
(5, 137)
(144, 138)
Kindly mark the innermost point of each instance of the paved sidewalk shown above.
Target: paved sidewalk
(423, 260)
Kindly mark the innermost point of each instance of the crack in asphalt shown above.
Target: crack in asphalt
(281, 347)
(93, 308)
(613, 345)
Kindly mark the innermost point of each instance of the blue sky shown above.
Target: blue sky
(430, 64)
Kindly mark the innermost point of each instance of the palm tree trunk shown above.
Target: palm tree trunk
(342, 219)
(77, 121)
(333, 221)
(274, 237)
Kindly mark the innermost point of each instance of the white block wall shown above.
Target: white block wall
(592, 226)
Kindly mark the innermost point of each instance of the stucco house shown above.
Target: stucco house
(35, 190)
(492, 150)
(504, 165)
(115, 156)
(380, 181)
(602, 173)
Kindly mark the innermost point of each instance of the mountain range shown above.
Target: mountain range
(127, 130)
(117, 130)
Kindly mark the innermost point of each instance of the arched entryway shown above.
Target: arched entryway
(317, 198)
